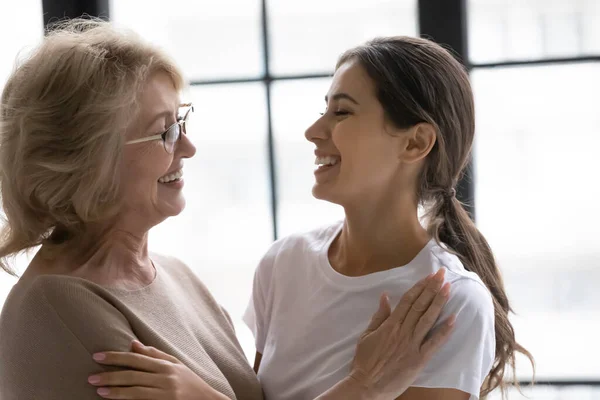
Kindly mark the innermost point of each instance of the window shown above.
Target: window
(296, 105)
(307, 36)
(535, 165)
(229, 194)
(535, 168)
(580, 392)
(226, 227)
(209, 39)
(502, 30)
(535, 197)
(24, 31)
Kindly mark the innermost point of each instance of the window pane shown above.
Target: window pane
(308, 36)
(296, 105)
(209, 39)
(502, 30)
(24, 33)
(226, 227)
(539, 392)
(537, 197)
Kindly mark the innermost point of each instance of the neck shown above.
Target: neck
(119, 247)
(108, 257)
(377, 237)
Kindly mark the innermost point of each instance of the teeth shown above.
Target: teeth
(171, 177)
(327, 160)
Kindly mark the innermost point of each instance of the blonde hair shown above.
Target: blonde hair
(63, 115)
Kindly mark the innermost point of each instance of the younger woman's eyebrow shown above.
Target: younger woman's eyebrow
(339, 96)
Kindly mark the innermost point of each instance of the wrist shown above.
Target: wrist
(355, 388)
(210, 393)
(218, 396)
(348, 388)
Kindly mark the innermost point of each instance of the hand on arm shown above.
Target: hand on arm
(459, 368)
(394, 349)
(61, 323)
(151, 375)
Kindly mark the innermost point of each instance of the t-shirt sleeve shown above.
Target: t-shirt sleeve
(467, 357)
(57, 329)
(257, 312)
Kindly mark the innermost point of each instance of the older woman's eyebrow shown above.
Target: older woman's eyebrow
(168, 113)
(159, 116)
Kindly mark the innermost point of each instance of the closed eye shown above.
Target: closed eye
(340, 113)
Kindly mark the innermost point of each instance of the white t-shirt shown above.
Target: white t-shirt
(307, 318)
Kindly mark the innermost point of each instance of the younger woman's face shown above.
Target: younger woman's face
(357, 149)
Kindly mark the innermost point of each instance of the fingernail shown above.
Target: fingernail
(99, 356)
(429, 276)
(383, 300)
(446, 289)
(103, 391)
(94, 379)
(451, 320)
(136, 343)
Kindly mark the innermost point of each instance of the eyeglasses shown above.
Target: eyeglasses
(173, 133)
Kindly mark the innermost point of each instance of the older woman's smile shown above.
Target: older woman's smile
(172, 177)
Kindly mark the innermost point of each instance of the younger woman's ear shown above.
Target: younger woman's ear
(418, 142)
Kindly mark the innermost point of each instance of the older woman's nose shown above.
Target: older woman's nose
(185, 147)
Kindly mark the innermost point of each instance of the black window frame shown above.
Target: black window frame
(444, 21)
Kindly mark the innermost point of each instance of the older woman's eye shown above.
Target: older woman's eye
(169, 124)
(341, 113)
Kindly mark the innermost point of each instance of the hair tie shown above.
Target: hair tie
(449, 193)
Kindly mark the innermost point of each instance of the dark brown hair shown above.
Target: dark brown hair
(419, 81)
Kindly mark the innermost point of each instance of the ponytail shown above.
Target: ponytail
(449, 223)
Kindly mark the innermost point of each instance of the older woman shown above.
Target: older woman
(93, 143)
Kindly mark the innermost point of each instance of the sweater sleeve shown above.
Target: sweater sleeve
(48, 334)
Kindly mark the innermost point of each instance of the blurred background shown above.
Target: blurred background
(259, 71)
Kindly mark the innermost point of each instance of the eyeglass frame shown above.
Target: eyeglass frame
(163, 136)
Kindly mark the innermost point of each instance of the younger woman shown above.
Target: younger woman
(396, 134)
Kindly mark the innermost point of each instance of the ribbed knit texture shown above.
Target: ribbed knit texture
(52, 324)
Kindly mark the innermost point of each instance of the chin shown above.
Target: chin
(175, 208)
(321, 192)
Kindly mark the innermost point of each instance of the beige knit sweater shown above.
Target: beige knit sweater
(51, 325)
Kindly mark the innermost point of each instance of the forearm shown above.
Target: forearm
(216, 396)
(346, 389)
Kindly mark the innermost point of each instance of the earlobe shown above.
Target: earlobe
(420, 139)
